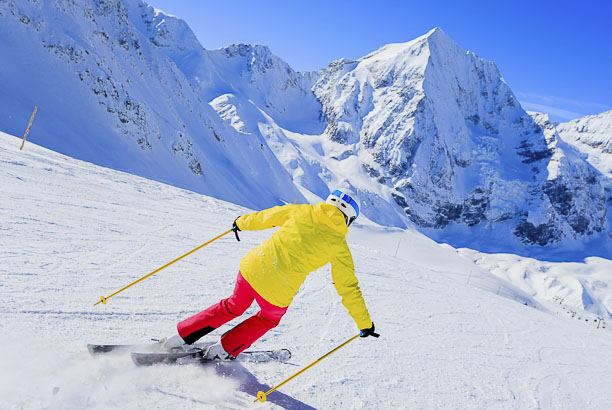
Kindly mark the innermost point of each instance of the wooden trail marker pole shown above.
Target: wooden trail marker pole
(397, 249)
(28, 129)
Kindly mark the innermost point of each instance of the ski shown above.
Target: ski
(150, 359)
(95, 349)
(196, 356)
(153, 353)
(155, 346)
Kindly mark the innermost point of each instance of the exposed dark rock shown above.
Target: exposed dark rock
(370, 170)
(525, 149)
(580, 224)
(418, 221)
(400, 200)
(541, 235)
(344, 155)
(463, 163)
(447, 213)
(195, 166)
(560, 196)
(474, 207)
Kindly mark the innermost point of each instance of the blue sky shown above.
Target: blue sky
(555, 55)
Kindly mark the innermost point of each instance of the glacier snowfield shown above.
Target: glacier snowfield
(459, 328)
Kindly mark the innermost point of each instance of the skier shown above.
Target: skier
(309, 237)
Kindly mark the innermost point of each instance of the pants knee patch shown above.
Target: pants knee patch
(268, 321)
(225, 304)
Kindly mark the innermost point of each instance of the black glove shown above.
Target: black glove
(235, 229)
(368, 332)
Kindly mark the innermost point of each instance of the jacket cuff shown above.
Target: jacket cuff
(238, 224)
(364, 324)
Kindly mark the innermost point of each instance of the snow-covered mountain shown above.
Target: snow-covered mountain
(433, 136)
(427, 134)
(444, 136)
(112, 78)
(592, 135)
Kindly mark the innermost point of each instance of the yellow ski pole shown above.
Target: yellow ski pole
(104, 299)
(262, 397)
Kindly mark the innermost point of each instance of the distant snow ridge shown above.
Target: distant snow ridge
(592, 135)
(256, 74)
(427, 134)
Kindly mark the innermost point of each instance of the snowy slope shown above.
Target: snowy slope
(593, 136)
(580, 288)
(453, 334)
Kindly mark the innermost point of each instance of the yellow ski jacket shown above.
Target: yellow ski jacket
(310, 236)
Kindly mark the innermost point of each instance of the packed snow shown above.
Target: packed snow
(458, 328)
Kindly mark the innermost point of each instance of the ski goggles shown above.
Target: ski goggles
(347, 198)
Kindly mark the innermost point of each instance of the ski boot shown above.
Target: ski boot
(217, 352)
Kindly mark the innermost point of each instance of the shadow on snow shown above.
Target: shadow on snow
(250, 385)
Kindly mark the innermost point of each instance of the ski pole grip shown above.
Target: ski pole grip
(236, 229)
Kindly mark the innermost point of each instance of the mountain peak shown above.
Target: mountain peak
(436, 32)
(243, 50)
(434, 39)
(257, 58)
(438, 40)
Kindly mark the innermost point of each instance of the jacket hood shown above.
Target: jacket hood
(331, 217)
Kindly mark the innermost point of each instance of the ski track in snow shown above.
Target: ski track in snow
(72, 231)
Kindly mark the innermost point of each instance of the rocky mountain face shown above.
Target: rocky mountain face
(428, 135)
(443, 131)
(575, 189)
(592, 135)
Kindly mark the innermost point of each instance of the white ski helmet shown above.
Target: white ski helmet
(347, 202)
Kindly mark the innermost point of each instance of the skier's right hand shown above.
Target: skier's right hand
(368, 332)
(235, 229)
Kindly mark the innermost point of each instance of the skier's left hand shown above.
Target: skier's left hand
(235, 229)
(368, 332)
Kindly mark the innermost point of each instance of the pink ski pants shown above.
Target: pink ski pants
(241, 336)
